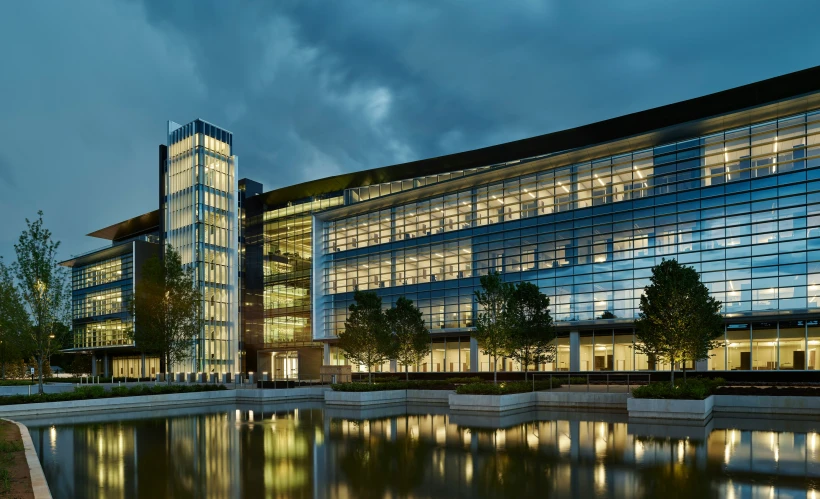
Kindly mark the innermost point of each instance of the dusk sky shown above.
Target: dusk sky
(312, 89)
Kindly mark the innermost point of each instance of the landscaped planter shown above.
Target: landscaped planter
(492, 403)
(671, 409)
(365, 399)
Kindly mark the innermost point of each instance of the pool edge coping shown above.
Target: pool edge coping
(39, 485)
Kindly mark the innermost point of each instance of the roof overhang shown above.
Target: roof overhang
(788, 94)
(143, 224)
(595, 150)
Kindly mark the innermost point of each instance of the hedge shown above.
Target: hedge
(393, 385)
(98, 392)
(691, 389)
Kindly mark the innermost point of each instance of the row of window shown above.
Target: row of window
(608, 180)
(762, 346)
(113, 269)
(107, 333)
(104, 302)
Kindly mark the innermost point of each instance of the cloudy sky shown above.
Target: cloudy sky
(312, 89)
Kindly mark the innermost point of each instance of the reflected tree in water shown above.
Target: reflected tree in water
(375, 466)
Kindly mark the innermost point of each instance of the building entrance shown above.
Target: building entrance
(285, 364)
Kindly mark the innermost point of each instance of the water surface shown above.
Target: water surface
(308, 451)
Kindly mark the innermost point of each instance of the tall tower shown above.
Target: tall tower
(199, 207)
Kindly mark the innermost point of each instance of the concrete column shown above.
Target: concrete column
(144, 374)
(393, 365)
(326, 352)
(93, 364)
(702, 365)
(473, 355)
(106, 367)
(574, 351)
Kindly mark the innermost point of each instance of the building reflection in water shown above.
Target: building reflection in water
(312, 453)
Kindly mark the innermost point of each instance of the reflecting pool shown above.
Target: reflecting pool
(308, 451)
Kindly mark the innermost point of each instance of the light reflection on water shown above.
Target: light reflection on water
(398, 452)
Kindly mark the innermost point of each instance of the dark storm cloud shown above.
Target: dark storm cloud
(338, 86)
(318, 88)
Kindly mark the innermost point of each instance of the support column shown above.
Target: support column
(393, 365)
(326, 354)
(574, 351)
(144, 374)
(473, 355)
(702, 365)
(93, 364)
(106, 371)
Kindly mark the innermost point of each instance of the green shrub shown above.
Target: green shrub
(393, 385)
(385, 379)
(89, 392)
(691, 389)
(503, 388)
(473, 379)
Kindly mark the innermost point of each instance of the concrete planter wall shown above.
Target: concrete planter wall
(429, 397)
(766, 405)
(315, 394)
(142, 402)
(669, 409)
(492, 404)
(365, 399)
(615, 402)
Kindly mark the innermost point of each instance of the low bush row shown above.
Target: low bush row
(467, 385)
(98, 392)
(505, 387)
(691, 389)
(394, 385)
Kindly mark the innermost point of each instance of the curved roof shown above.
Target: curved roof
(780, 88)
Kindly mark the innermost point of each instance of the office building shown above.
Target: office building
(728, 183)
(197, 216)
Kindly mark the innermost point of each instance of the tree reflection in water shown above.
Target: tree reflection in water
(375, 466)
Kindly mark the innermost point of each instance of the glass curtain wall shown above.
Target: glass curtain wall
(740, 206)
(100, 294)
(200, 216)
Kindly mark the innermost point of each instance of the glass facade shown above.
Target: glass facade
(277, 305)
(99, 303)
(742, 206)
(200, 210)
(287, 257)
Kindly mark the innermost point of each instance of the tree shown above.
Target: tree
(678, 320)
(14, 321)
(367, 338)
(492, 327)
(608, 315)
(43, 287)
(531, 332)
(167, 309)
(412, 338)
